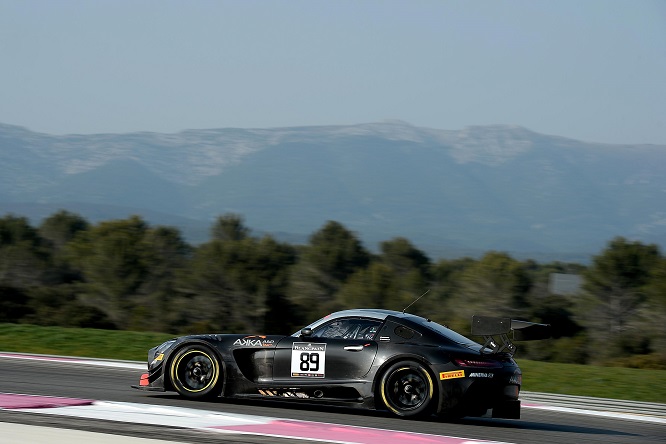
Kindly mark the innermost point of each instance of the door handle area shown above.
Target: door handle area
(354, 348)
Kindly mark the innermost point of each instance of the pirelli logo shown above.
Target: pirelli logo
(452, 375)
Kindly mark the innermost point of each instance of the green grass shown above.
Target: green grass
(88, 342)
(588, 380)
(582, 380)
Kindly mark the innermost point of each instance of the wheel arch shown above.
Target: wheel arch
(168, 383)
(376, 383)
(402, 357)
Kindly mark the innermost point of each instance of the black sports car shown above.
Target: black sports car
(364, 358)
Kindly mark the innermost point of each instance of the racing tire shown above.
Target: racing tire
(195, 372)
(407, 389)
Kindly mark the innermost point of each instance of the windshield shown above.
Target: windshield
(312, 325)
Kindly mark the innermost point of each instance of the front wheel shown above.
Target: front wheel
(407, 389)
(195, 372)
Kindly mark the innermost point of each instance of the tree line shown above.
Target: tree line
(126, 274)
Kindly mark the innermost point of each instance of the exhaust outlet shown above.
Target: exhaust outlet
(318, 394)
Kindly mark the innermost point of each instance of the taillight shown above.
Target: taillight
(477, 363)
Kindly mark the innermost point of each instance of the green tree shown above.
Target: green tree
(116, 259)
(23, 259)
(59, 306)
(165, 257)
(15, 230)
(61, 227)
(495, 285)
(615, 286)
(14, 304)
(276, 260)
(333, 254)
(446, 273)
(410, 270)
(655, 312)
(568, 336)
(370, 287)
(403, 257)
(57, 231)
(229, 227)
(393, 280)
(237, 286)
(336, 251)
(208, 299)
(447, 278)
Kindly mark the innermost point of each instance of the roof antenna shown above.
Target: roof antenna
(415, 301)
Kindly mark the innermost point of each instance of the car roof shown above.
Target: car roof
(380, 314)
(373, 313)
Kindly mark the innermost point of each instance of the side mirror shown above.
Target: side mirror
(306, 332)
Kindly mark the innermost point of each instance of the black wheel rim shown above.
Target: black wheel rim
(196, 372)
(406, 389)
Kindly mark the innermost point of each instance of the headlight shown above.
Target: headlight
(158, 352)
(164, 347)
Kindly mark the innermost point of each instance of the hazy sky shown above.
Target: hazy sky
(590, 70)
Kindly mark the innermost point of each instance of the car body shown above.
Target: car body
(363, 358)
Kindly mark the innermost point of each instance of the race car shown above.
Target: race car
(362, 358)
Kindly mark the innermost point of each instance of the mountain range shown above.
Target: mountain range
(450, 192)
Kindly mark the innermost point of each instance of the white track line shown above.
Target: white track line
(603, 414)
(140, 366)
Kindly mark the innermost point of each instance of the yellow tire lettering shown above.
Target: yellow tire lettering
(176, 363)
(386, 402)
(432, 388)
(383, 392)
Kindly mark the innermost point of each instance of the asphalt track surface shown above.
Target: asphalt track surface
(113, 384)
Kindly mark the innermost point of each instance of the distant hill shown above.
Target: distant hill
(449, 192)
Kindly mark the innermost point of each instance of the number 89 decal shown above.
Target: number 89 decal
(308, 360)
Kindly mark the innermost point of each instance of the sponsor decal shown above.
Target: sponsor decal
(308, 360)
(157, 359)
(452, 375)
(481, 375)
(254, 341)
(304, 346)
(384, 338)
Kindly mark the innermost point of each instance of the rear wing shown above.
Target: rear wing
(489, 327)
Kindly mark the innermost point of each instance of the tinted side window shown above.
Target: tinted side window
(404, 332)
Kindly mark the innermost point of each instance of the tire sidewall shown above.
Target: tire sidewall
(426, 407)
(180, 358)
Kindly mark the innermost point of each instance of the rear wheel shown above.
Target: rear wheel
(407, 389)
(195, 372)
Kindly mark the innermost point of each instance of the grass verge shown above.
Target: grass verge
(588, 380)
(88, 342)
(583, 380)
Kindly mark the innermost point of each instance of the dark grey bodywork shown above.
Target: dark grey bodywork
(466, 378)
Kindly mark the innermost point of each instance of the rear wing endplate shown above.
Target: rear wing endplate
(507, 329)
